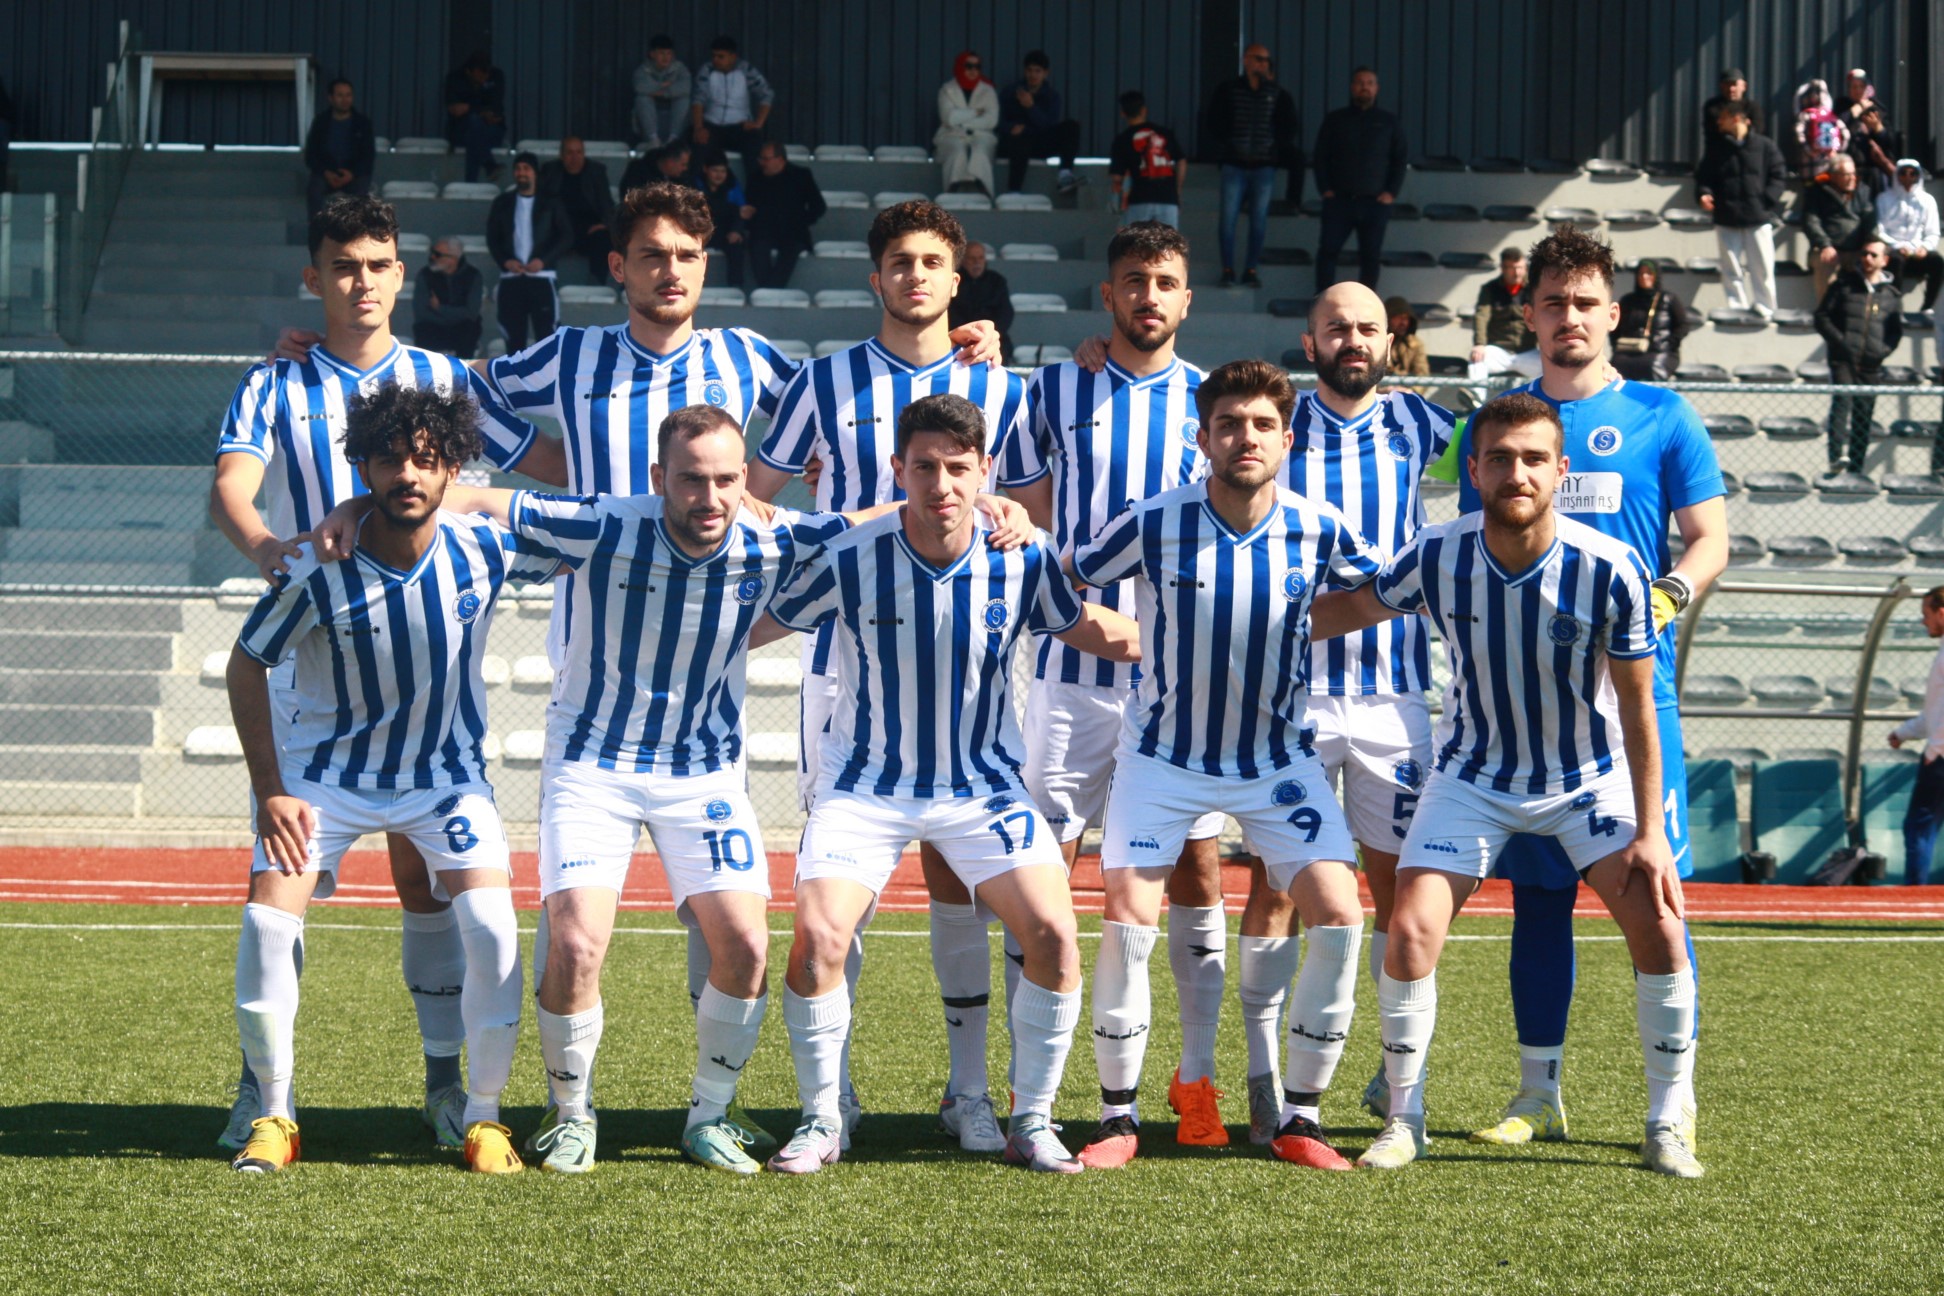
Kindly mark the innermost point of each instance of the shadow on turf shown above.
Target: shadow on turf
(179, 1131)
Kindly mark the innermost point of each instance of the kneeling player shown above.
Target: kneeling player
(386, 738)
(1551, 632)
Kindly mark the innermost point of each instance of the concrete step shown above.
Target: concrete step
(68, 764)
(88, 616)
(96, 573)
(185, 337)
(99, 651)
(79, 688)
(140, 205)
(27, 801)
(79, 726)
(232, 235)
(131, 285)
(136, 543)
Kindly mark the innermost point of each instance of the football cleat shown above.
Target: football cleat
(566, 1146)
(273, 1144)
(1376, 1095)
(851, 1112)
(755, 1136)
(244, 1109)
(1113, 1145)
(1668, 1152)
(718, 1144)
(489, 1149)
(969, 1118)
(1401, 1143)
(1689, 1122)
(1533, 1116)
(1300, 1142)
(816, 1144)
(1035, 1145)
(1265, 1108)
(1201, 1119)
(445, 1115)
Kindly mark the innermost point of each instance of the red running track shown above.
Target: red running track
(219, 877)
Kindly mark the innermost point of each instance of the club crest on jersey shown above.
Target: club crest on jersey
(466, 606)
(1585, 799)
(1565, 630)
(716, 394)
(1408, 773)
(719, 811)
(1604, 441)
(995, 804)
(996, 615)
(1293, 586)
(1399, 445)
(1191, 432)
(1288, 793)
(749, 589)
(446, 806)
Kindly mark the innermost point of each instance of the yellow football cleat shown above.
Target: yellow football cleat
(1531, 1117)
(273, 1145)
(489, 1149)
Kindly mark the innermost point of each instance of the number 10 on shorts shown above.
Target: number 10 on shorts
(730, 846)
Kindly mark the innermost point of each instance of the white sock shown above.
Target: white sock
(1014, 970)
(853, 969)
(433, 958)
(1043, 1024)
(1321, 1008)
(1198, 982)
(1409, 1011)
(1268, 966)
(1122, 1013)
(962, 960)
(1539, 1069)
(1374, 948)
(700, 964)
(1664, 1007)
(540, 935)
(567, 1046)
(266, 1000)
(818, 1028)
(490, 1003)
(725, 1036)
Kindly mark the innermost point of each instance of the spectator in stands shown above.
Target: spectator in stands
(721, 190)
(1408, 358)
(1653, 320)
(983, 295)
(1031, 125)
(475, 99)
(1861, 320)
(1926, 810)
(1250, 123)
(1359, 170)
(527, 235)
(1741, 180)
(581, 189)
(731, 101)
(781, 203)
(1872, 146)
(1907, 219)
(447, 301)
(1819, 133)
(1858, 97)
(1501, 342)
(1733, 88)
(1147, 165)
(1837, 216)
(662, 87)
(341, 149)
(670, 162)
(968, 125)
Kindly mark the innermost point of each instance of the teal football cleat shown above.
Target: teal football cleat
(566, 1146)
(445, 1115)
(718, 1145)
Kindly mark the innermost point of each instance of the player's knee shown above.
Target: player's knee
(574, 954)
(415, 894)
(741, 957)
(821, 946)
(1051, 941)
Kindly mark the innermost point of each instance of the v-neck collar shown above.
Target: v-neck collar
(390, 573)
(898, 362)
(1138, 381)
(657, 358)
(1530, 570)
(681, 555)
(350, 370)
(1229, 533)
(936, 574)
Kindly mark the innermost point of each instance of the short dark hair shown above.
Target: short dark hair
(724, 43)
(1934, 598)
(1516, 409)
(918, 216)
(341, 81)
(527, 159)
(1731, 108)
(1132, 101)
(1147, 242)
(1571, 253)
(1246, 379)
(660, 41)
(1360, 69)
(1513, 253)
(1038, 59)
(949, 415)
(421, 417)
(690, 422)
(683, 204)
(350, 217)
(714, 155)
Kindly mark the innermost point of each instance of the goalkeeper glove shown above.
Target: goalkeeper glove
(1671, 595)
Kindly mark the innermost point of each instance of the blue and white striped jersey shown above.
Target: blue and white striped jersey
(843, 409)
(610, 394)
(1109, 439)
(290, 414)
(924, 657)
(388, 691)
(653, 661)
(1368, 467)
(1531, 707)
(1224, 624)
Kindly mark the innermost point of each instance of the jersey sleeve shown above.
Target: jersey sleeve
(528, 561)
(529, 383)
(1114, 554)
(1630, 614)
(250, 425)
(1441, 427)
(507, 436)
(569, 527)
(286, 613)
(1019, 461)
(1690, 473)
(1400, 585)
(1056, 605)
(793, 432)
(810, 530)
(1351, 560)
(770, 371)
(809, 597)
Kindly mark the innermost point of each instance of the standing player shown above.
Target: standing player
(1224, 574)
(1550, 627)
(389, 714)
(1113, 434)
(284, 434)
(923, 745)
(842, 410)
(1642, 460)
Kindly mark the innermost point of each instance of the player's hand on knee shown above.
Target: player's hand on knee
(295, 344)
(1011, 527)
(1651, 856)
(286, 825)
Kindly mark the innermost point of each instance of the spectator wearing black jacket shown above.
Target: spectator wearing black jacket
(475, 102)
(1733, 87)
(1741, 179)
(527, 235)
(447, 301)
(1032, 125)
(581, 189)
(780, 204)
(1838, 217)
(1359, 170)
(1861, 322)
(983, 295)
(1251, 126)
(670, 162)
(724, 194)
(341, 149)
(1653, 320)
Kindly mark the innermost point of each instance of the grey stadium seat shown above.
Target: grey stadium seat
(1690, 218)
(1552, 166)
(1730, 484)
(1809, 754)
(1791, 427)
(1433, 313)
(1909, 429)
(1785, 268)
(1701, 371)
(1786, 690)
(1802, 548)
(1764, 373)
(1497, 165)
(1849, 483)
(1466, 260)
(1450, 212)
(1794, 317)
(1813, 371)
(1509, 213)
(1898, 376)
(1745, 548)
(1714, 690)
(1632, 216)
(1730, 317)
(1742, 758)
(1926, 547)
(1776, 483)
(1728, 427)
(1668, 168)
(1873, 548)
(1403, 211)
(1842, 690)
(1921, 485)
(1612, 167)
(1413, 259)
(1438, 162)
(1571, 215)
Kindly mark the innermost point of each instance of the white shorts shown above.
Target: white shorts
(453, 827)
(1289, 816)
(860, 837)
(1376, 751)
(818, 700)
(1072, 734)
(703, 826)
(1461, 827)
